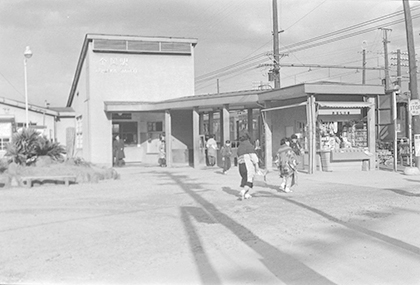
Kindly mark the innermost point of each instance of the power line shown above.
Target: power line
(12, 85)
(217, 73)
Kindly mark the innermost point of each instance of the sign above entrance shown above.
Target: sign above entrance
(121, 116)
(339, 112)
(414, 107)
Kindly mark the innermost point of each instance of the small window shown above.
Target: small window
(154, 126)
(79, 132)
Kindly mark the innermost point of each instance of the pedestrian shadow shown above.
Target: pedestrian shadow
(384, 238)
(403, 192)
(230, 191)
(282, 265)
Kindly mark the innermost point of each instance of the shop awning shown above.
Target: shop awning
(344, 105)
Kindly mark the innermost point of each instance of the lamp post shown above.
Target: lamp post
(28, 55)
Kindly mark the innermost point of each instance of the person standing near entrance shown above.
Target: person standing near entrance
(226, 153)
(118, 150)
(162, 153)
(286, 162)
(212, 150)
(247, 164)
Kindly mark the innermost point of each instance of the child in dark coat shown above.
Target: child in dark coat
(226, 153)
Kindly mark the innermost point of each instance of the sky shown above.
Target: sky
(234, 40)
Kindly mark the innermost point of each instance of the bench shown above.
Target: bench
(66, 178)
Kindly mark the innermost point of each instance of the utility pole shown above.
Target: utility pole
(276, 67)
(399, 78)
(413, 74)
(386, 42)
(364, 66)
(393, 97)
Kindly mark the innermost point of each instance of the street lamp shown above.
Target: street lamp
(28, 55)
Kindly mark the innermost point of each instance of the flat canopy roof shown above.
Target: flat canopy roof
(246, 99)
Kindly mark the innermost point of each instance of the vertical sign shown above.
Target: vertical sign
(417, 144)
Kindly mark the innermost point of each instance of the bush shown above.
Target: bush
(27, 145)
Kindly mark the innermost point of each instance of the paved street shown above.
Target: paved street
(186, 226)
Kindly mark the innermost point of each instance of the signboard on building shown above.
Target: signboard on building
(414, 107)
(417, 145)
(339, 112)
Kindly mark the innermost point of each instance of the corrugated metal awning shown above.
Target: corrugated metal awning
(344, 105)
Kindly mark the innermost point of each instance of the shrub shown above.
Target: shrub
(51, 149)
(27, 145)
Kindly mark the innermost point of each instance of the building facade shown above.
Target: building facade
(142, 87)
(123, 69)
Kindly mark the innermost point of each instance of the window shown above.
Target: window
(79, 132)
(126, 130)
(154, 126)
(3, 143)
(23, 125)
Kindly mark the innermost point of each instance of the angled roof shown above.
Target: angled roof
(246, 98)
(31, 107)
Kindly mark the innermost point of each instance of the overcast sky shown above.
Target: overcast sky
(230, 33)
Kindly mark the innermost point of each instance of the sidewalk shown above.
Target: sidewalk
(186, 226)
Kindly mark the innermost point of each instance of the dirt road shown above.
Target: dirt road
(186, 226)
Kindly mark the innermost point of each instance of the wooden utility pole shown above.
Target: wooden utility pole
(276, 67)
(364, 66)
(413, 72)
(399, 78)
(386, 42)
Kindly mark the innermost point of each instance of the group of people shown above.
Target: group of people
(286, 161)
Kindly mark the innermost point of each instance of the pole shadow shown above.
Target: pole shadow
(384, 238)
(207, 273)
(403, 192)
(285, 267)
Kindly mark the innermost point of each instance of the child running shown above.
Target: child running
(248, 165)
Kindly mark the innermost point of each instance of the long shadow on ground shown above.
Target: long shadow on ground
(283, 266)
(387, 239)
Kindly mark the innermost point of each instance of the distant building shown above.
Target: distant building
(45, 120)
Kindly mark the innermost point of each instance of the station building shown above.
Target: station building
(140, 87)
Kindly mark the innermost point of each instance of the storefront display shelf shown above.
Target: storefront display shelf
(349, 154)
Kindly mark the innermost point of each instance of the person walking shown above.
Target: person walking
(286, 162)
(212, 150)
(226, 153)
(247, 164)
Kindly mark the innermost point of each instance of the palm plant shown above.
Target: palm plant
(22, 148)
(27, 145)
(51, 149)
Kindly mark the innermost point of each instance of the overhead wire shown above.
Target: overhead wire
(306, 44)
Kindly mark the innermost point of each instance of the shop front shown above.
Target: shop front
(342, 136)
(335, 124)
